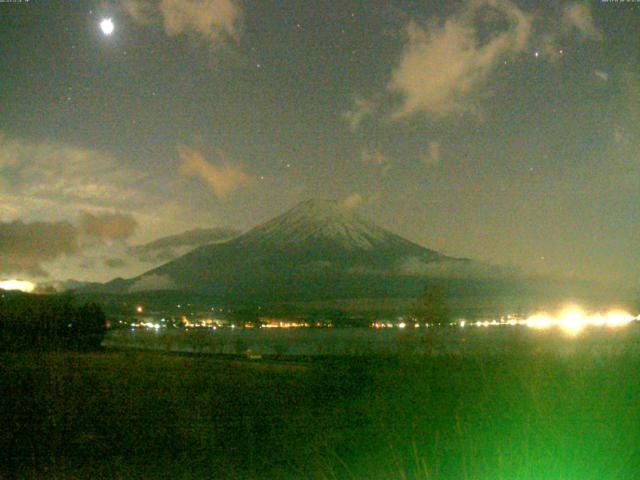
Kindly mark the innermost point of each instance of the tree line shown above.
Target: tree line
(49, 323)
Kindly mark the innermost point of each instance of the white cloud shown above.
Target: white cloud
(214, 20)
(53, 183)
(444, 64)
(222, 179)
(55, 177)
(579, 16)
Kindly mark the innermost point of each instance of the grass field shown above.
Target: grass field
(152, 415)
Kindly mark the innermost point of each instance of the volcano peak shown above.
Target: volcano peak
(320, 220)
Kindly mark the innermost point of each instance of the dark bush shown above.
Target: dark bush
(49, 323)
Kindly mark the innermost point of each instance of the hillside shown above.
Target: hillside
(316, 250)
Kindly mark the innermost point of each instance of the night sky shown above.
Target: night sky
(507, 132)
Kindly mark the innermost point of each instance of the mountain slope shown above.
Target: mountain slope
(318, 249)
(325, 221)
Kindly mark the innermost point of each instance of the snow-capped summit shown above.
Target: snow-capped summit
(318, 249)
(324, 221)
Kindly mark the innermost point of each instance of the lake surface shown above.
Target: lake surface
(434, 341)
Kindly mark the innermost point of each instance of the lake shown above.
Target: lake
(433, 341)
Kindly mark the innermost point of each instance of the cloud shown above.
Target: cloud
(141, 11)
(153, 281)
(222, 179)
(444, 64)
(168, 248)
(214, 20)
(578, 16)
(362, 108)
(42, 180)
(455, 268)
(432, 157)
(24, 247)
(352, 201)
(95, 248)
(51, 177)
(27, 247)
(108, 226)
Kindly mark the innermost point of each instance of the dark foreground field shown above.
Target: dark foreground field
(145, 415)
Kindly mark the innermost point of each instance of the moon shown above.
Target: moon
(106, 25)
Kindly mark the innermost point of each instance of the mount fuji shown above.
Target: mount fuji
(317, 250)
